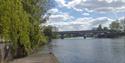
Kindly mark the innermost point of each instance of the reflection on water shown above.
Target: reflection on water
(90, 50)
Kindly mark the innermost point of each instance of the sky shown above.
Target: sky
(75, 15)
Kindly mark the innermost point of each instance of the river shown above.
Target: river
(92, 50)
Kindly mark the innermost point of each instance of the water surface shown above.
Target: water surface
(79, 50)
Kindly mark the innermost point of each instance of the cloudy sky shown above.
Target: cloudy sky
(73, 15)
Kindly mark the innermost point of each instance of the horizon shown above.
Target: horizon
(73, 15)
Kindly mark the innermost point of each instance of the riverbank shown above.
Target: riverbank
(42, 56)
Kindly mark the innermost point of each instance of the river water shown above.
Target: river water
(79, 50)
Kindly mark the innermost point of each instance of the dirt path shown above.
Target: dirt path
(40, 57)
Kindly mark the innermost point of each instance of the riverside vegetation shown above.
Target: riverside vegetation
(20, 24)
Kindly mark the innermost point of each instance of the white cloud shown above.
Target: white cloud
(61, 2)
(54, 10)
(73, 3)
(82, 21)
(102, 6)
(79, 10)
(122, 18)
(66, 28)
(85, 14)
(66, 22)
(58, 16)
(120, 9)
(105, 21)
(85, 23)
(108, 1)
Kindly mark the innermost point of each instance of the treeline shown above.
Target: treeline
(50, 32)
(19, 24)
(117, 25)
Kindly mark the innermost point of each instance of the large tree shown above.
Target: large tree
(99, 28)
(19, 23)
(122, 23)
(35, 9)
(15, 25)
(115, 25)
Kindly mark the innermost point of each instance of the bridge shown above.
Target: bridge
(85, 33)
(82, 33)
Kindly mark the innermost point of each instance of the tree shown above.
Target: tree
(105, 29)
(122, 23)
(35, 9)
(19, 23)
(48, 32)
(4, 19)
(115, 26)
(99, 28)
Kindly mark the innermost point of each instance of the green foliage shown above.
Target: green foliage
(48, 32)
(35, 10)
(105, 29)
(115, 26)
(122, 23)
(99, 28)
(19, 23)
(4, 19)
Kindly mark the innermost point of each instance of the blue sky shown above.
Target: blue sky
(73, 15)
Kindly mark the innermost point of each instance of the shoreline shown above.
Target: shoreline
(42, 56)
